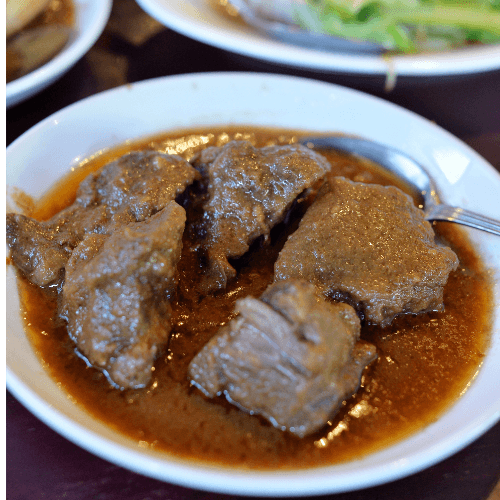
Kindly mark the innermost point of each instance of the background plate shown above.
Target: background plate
(90, 18)
(199, 19)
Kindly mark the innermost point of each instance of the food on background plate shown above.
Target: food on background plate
(129, 260)
(407, 26)
(19, 13)
(36, 30)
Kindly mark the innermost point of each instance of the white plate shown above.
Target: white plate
(90, 18)
(199, 20)
(44, 153)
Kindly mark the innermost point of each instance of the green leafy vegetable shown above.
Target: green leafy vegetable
(406, 25)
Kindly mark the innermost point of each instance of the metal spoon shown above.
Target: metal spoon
(265, 19)
(410, 171)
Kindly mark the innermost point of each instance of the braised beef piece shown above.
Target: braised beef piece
(371, 246)
(40, 250)
(116, 291)
(290, 356)
(250, 190)
(137, 185)
(131, 188)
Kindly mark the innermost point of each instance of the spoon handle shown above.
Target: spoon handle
(462, 216)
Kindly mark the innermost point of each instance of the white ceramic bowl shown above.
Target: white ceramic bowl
(48, 150)
(91, 17)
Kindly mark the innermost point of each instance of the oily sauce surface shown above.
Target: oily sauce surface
(424, 363)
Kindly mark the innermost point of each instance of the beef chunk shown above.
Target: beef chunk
(137, 185)
(370, 245)
(131, 188)
(289, 356)
(249, 191)
(34, 251)
(115, 294)
(40, 250)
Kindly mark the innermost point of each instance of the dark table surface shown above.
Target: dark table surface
(43, 465)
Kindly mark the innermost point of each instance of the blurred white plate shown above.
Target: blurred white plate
(91, 17)
(44, 153)
(198, 19)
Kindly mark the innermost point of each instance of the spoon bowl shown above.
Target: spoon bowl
(407, 169)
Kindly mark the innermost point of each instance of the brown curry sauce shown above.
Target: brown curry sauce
(425, 361)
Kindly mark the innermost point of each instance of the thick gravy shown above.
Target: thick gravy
(425, 361)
